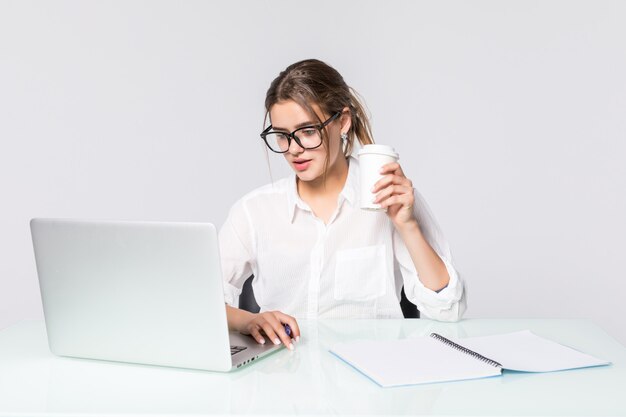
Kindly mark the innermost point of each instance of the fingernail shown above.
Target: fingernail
(373, 188)
(276, 341)
(290, 346)
(262, 341)
(297, 338)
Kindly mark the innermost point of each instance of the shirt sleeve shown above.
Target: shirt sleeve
(447, 304)
(237, 252)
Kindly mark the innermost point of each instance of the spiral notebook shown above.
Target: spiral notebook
(435, 358)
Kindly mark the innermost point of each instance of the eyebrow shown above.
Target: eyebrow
(298, 126)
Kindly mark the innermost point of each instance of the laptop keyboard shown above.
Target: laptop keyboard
(237, 349)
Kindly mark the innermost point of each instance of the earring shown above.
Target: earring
(344, 141)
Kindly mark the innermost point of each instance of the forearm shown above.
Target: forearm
(237, 318)
(430, 268)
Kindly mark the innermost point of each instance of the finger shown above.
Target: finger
(291, 321)
(277, 325)
(392, 167)
(406, 202)
(393, 190)
(391, 179)
(399, 171)
(270, 333)
(254, 332)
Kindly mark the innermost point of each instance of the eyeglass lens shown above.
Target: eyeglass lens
(309, 137)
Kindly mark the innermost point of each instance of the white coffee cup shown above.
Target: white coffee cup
(371, 159)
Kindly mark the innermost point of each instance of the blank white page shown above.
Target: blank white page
(525, 351)
(411, 361)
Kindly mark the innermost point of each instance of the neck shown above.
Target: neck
(335, 180)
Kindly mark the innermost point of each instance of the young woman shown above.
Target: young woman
(313, 252)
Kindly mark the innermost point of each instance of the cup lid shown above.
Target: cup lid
(378, 149)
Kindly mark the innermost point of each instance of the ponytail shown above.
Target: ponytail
(360, 128)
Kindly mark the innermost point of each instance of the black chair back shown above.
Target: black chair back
(248, 302)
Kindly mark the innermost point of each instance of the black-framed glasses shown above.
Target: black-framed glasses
(307, 137)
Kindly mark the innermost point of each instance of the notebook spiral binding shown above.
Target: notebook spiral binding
(465, 350)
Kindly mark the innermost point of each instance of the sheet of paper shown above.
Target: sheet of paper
(525, 351)
(411, 361)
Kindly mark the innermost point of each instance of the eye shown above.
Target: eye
(309, 132)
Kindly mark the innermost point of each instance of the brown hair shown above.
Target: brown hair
(313, 81)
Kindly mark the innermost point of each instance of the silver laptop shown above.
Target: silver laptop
(139, 292)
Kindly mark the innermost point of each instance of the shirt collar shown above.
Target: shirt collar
(349, 191)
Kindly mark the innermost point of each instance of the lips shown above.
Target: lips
(301, 164)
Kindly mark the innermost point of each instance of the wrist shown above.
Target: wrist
(408, 226)
(245, 317)
(238, 319)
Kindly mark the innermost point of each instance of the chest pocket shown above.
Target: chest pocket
(361, 273)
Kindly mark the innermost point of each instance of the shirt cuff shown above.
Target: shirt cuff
(447, 304)
(231, 295)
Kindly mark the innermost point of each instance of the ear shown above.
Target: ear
(346, 120)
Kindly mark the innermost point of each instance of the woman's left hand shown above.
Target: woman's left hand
(395, 193)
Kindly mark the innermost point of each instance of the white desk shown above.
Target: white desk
(309, 381)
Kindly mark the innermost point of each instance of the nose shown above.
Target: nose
(294, 148)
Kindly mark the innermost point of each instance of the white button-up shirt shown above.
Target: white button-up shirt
(352, 267)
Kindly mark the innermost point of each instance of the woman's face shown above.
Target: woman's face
(308, 164)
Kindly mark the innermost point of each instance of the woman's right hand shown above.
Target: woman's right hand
(271, 324)
(263, 326)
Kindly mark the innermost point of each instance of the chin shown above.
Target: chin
(307, 176)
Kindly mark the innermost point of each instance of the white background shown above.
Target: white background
(510, 118)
